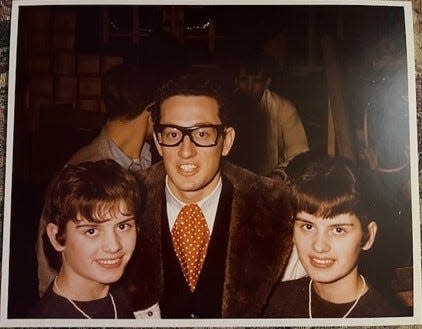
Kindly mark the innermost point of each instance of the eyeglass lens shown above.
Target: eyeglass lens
(203, 136)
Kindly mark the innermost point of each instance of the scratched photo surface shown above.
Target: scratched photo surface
(345, 69)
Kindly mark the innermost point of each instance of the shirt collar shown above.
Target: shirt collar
(208, 204)
(171, 198)
(126, 162)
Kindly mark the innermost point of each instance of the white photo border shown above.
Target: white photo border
(415, 319)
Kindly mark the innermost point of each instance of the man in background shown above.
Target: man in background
(269, 129)
(127, 91)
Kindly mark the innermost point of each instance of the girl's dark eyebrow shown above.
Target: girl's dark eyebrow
(87, 225)
(331, 225)
(342, 224)
(126, 220)
(303, 220)
(95, 224)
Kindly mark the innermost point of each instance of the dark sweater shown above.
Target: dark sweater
(290, 300)
(53, 306)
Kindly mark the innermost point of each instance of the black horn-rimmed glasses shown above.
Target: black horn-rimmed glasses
(202, 135)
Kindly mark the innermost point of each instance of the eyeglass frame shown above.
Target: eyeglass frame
(187, 131)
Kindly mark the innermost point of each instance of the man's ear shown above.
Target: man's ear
(158, 146)
(372, 232)
(149, 124)
(229, 136)
(52, 230)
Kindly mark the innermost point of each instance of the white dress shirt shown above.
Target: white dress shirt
(208, 205)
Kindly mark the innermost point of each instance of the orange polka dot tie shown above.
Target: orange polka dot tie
(191, 236)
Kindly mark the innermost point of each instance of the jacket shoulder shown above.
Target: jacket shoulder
(97, 149)
(248, 182)
(152, 175)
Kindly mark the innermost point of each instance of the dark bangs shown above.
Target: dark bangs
(327, 188)
(99, 208)
(90, 190)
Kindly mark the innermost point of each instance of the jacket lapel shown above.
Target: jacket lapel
(259, 244)
(150, 267)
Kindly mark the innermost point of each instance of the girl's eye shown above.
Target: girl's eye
(91, 232)
(307, 227)
(125, 226)
(339, 230)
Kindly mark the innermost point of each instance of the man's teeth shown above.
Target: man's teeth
(109, 261)
(187, 167)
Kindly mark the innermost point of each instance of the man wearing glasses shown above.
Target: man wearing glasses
(214, 238)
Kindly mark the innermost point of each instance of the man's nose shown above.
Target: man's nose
(321, 242)
(111, 242)
(187, 147)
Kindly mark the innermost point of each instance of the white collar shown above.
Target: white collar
(208, 204)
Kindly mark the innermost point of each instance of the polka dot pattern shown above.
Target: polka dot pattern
(191, 236)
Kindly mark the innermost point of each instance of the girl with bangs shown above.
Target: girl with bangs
(332, 226)
(92, 210)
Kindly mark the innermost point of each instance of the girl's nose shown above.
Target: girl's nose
(321, 242)
(111, 242)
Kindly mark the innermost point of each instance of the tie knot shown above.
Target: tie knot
(191, 212)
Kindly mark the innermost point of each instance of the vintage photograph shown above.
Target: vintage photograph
(211, 164)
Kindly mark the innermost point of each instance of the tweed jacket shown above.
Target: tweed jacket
(259, 242)
(98, 149)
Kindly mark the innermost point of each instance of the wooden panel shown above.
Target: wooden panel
(38, 42)
(64, 41)
(38, 63)
(89, 87)
(42, 85)
(88, 65)
(64, 63)
(64, 21)
(37, 18)
(36, 100)
(66, 88)
(65, 115)
(89, 104)
(35, 103)
(108, 62)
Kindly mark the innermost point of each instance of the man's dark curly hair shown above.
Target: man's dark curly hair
(127, 90)
(195, 83)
